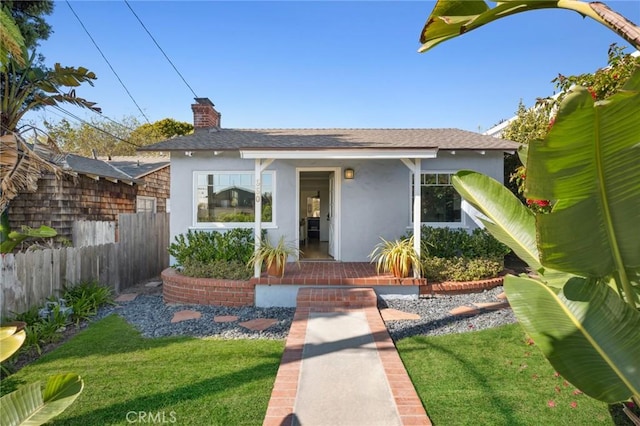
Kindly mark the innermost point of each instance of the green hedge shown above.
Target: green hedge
(453, 254)
(209, 246)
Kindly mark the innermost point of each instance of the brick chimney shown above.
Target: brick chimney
(204, 114)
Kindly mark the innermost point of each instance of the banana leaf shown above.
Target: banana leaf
(506, 218)
(586, 331)
(589, 163)
(11, 338)
(451, 18)
(30, 405)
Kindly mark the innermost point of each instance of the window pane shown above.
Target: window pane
(440, 202)
(443, 179)
(230, 197)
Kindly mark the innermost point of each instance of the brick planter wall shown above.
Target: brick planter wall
(176, 288)
(453, 287)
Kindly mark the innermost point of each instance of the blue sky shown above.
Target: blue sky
(300, 64)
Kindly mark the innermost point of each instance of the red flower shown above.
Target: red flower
(541, 203)
(551, 123)
(551, 403)
(593, 92)
(574, 404)
(577, 392)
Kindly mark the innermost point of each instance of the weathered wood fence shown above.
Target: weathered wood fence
(93, 233)
(28, 279)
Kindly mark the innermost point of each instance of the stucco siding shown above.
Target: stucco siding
(376, 203)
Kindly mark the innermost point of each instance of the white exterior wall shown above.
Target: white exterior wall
(377, 203)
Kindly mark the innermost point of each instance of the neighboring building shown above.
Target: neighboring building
(155, 175)
(356, 184)
(92, 189)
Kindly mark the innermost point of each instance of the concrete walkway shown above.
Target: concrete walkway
(340, 366)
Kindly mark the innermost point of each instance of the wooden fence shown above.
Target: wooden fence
(93, 233)
(28, 279)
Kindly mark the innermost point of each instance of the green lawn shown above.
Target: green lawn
(194, 381)
(491, 377)
(494, 377)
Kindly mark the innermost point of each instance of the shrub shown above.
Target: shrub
(449, 243)
(439, 269)
(205, 247)
(85, 298)
(453, 254)
(220, 269)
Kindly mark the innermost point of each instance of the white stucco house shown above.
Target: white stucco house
(344, 187)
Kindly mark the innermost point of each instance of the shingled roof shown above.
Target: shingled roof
(211, 139)
(138, 167)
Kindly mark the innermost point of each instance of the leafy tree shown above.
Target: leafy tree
(582, 308)
(11, 41)
(535, 123)
(28, 16)
(110, 139)
(26, 86)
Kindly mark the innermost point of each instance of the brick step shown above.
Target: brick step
(319, 299)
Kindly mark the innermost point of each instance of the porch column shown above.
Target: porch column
(257, 224)
(416, 168)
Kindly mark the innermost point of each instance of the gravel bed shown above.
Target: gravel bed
(150, 315)
(436, 320)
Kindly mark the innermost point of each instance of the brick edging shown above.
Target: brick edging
(177, 288)
(453, 287)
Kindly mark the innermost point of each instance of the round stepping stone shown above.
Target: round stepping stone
(126, 297)
(464, 311)
(492, 306)
(185, 315)
(225, 318)
(259, 324)
(389, 314)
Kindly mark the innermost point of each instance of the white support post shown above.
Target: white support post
(416, 168)
(257, 224)
(257, 234)
(417, 222)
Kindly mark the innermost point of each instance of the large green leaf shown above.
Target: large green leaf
(10, 340)
(589, 163)
(588, 333)
(29, 405)
(451, 18)
(506, 218)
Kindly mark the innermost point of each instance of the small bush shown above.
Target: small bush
(205, 247)
(461, 268)
(85, 298)
(449, 243)
(219, 269)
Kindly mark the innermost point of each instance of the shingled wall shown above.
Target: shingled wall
(157, 185)
(60, 202)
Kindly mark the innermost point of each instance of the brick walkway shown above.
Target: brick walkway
(404, 402)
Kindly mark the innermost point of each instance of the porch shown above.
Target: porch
(321, 273)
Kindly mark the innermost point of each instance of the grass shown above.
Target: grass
(182, 380)
(494, 377)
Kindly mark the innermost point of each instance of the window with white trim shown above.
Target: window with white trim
(439, 201)
(145, 204)
(229, 197)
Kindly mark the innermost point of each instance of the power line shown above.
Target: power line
(107, 61)
(165, 55)
(75, 117)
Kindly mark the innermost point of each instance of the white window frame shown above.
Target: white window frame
(463, 215)
(230, 225)
(145, 198)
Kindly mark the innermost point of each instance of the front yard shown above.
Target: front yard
(487, 377)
